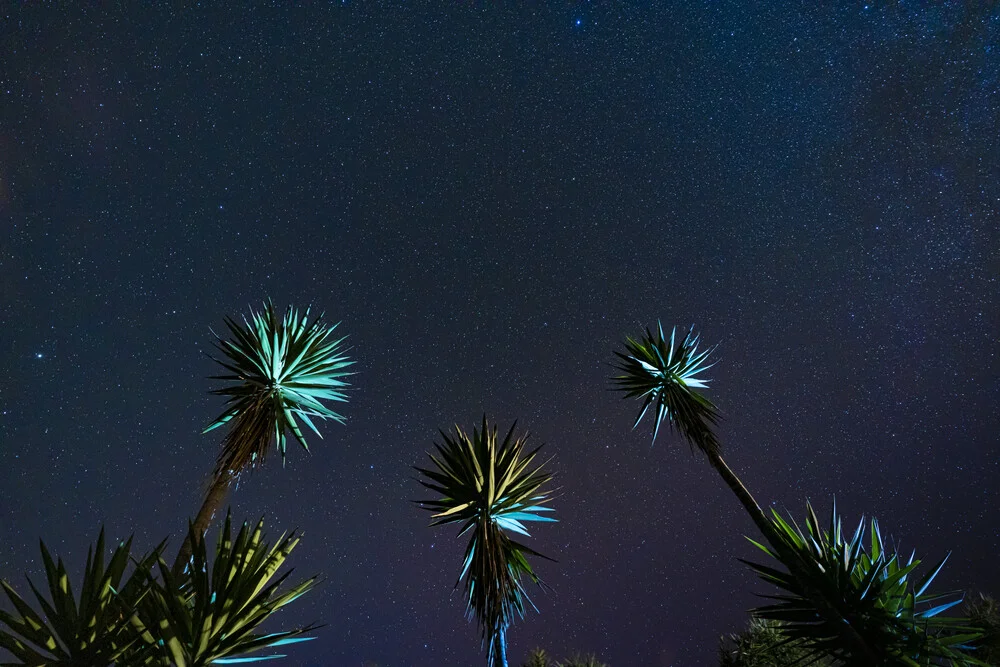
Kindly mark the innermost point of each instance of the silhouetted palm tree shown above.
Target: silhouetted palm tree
(825, 600)
(664, 374)
(280, 370)
(489, 487)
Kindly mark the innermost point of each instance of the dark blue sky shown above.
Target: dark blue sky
(490, 199)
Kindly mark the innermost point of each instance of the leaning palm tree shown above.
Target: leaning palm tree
(280, 370)
(664, 374)
(490, 487)
(95, 630)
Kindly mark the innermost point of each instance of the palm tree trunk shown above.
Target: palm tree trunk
(501, 653)
(742, 494)
(214, 499)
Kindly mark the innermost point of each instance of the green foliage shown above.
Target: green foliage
(537, 658)
(213, 614)
(489, 487)
(282, 369)
(665, 375)
(92, 631)
(763, 644)
(984, 615)
(205, 618)
(852, 600)
(581, 661)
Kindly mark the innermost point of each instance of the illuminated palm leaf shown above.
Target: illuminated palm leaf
(489, 487)
(664, 374)
(282, 370)
(212, 615)
(857, 605)
(94, 631)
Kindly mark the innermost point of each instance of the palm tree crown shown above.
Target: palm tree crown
(281, 369)
(664, 373)
(489, 487)
(851, 599)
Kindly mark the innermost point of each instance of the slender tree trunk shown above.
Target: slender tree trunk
(743, 494)
(865, 654)
(500, 655)
(214, 499)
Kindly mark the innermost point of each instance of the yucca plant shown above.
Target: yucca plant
(212, 614)
(95, 630)
(490, 487)
(581, 661)
(764, 644)
(537, 658)
(282, 370)
(664, 374)
(853, 600)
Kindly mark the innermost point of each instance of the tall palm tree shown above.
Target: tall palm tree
(280, 370)
(489, 487)
(664, 374)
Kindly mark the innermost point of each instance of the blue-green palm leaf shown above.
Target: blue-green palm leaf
(490, 487)
(283, 370)
(851, 599)
(664, 373)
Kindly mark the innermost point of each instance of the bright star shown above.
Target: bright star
(579, 21)
(39, 355)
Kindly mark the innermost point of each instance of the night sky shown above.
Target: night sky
(490, 199)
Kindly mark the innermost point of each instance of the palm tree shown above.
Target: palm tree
(280, 369)
(490, 488)
(664, 373)
(96, 630)
(212, 614)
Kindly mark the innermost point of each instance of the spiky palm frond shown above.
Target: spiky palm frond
(858, 605)
(664, 373)
(212, 615)
(282, 369)
(489, 487)
(94, 631)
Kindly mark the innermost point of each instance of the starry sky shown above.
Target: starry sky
(489, 199)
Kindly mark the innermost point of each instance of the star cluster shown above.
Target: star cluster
(490, 199)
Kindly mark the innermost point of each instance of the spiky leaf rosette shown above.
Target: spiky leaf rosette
(94, 630)
(213, 614)
(852, 600)
(489, 487)
(282, 370)
(664, 374)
